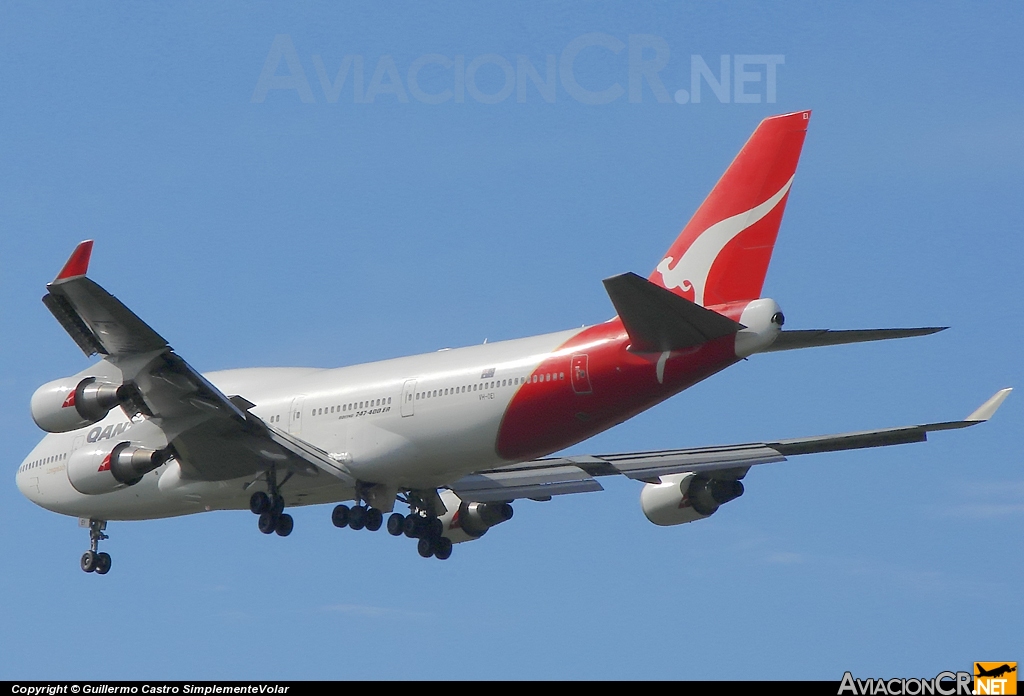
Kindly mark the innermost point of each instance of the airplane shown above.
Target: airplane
(995, 672)
(456, 435)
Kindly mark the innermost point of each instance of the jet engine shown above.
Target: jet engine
(682, 498)
(64, 404)
(465, 521)
(106, 467)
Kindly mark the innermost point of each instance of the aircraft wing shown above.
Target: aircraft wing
(542, 478)
(214, 436)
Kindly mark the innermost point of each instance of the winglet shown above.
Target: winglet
(987, 409)
(78, 263)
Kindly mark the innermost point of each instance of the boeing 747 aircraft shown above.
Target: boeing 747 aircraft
(455, 436)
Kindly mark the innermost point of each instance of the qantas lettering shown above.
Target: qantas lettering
(99, 433)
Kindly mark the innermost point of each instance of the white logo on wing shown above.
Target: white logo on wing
(691, 271)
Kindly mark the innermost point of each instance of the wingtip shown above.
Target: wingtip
(987, 409)
(78, 262)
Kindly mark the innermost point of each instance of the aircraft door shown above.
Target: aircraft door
(579, 371)
(409, 398)
(295, 416)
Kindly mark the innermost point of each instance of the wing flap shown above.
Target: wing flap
(518, 482)
(643, 466)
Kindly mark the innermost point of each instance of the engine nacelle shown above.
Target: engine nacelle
(465, 521)
(682, 498)
(105, 467)
(65, 404)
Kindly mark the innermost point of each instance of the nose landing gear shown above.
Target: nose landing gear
(93, 560)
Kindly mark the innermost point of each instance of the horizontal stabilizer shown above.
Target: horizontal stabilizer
(658, 320)
(813, 338)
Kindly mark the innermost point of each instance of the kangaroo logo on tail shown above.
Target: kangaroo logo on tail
(690, 273)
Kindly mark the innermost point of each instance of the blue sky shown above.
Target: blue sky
(255, 229)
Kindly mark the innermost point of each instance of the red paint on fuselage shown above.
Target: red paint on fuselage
(547, 414)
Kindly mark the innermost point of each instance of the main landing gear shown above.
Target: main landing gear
(357, 517)
(416, 525)
(94, 561)
(428, 530)
(270, 508)
(422, 524)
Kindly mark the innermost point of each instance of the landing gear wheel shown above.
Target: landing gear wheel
(357, 517)
(374, 519)
(425, 547)
(89, 561)
(340, 516)
(411, 526)
(444, 548)
(435, 528)
(259, 503)
(102, 563)
(285, 524)
(268, 522)
(396, 524)
(278, 505)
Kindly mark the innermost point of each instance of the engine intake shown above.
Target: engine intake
(102, 468)
(64, 405)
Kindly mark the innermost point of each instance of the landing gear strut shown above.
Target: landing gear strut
(270, 507)
(93, 560)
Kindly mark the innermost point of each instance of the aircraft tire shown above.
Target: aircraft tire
(444, 548)
(411, 526)
(102, 563)
(340, 516)
(284, 525)
(357, 517)
(278, 506)
(396, 524)
(89, 561)
(374, 519)
(268, 523)
(259, 503)
(425, 547)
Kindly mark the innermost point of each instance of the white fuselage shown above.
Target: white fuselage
(413, 422)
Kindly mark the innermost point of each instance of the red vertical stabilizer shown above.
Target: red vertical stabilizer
(722, 254)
